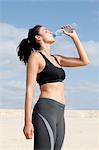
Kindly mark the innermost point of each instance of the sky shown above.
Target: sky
(81, 83)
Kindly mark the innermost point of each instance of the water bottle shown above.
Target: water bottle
(59, 32)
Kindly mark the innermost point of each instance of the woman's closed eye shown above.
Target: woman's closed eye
(46, 30)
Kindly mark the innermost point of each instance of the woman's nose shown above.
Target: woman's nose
(51, 32)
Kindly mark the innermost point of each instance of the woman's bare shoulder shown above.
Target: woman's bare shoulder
(33, 59)
(34, 56)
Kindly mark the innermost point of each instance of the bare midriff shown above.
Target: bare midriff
(54, 91)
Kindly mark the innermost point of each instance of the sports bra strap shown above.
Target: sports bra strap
(51, 55)
(55, 59)
(42, 55)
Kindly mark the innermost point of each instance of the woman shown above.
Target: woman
(47, 118)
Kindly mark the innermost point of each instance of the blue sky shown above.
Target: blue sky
(81, 84)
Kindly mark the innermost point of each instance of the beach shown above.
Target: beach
(81, 130)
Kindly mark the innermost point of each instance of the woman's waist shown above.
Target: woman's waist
(59, 97)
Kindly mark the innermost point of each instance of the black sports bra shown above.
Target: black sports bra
(50, 73)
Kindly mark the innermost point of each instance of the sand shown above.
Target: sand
(82, 130)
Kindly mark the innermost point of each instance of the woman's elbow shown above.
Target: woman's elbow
(86, 63)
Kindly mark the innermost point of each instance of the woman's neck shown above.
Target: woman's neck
(45, 48)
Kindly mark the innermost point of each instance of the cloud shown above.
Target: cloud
(10, 37)
(92, 49)
(10, 32)
(82, 86)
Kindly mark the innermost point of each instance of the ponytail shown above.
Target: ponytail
(24, 50)
(28, 45)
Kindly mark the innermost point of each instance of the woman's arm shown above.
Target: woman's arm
(32, 69)
(74, 62)
(31, 74)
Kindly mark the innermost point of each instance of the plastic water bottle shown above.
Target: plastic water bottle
(59, 32)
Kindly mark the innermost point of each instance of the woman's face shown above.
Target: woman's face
(46, 35)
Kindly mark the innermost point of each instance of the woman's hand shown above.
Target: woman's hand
(28, 130)
(72, 33)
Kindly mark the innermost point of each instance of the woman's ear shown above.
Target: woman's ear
(38, 37)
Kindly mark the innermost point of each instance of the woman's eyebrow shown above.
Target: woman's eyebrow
(45, 28)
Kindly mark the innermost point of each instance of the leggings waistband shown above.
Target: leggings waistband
(46, 100)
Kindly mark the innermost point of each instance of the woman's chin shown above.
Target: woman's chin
(52, 41)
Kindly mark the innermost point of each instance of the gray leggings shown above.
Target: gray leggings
(49, 124)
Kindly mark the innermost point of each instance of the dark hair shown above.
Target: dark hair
(28, 45)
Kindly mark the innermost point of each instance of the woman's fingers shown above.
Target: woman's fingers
(29, 135)
(67, 26)
(64, 26)
(28, 131)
